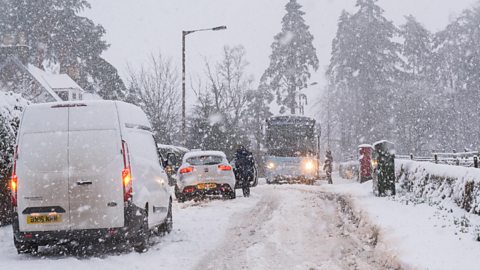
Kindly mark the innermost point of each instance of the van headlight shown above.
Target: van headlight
(270, 165)
(309, 165)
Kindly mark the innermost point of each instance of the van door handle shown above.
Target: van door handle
(84, 183)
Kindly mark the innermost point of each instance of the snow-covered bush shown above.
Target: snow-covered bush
(436, 184)
(11, 107)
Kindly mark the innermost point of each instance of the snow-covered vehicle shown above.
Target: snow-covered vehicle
(205, 173)
(171, 156)
(293, 147)
(87, 171)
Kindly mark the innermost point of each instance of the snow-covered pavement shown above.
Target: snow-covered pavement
(434, 237)
(288, 227)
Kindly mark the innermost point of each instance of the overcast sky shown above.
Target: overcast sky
(137, 28)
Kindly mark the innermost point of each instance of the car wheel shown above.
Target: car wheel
(179, 195)
(24, 248)
(142, 238)
(167, 225)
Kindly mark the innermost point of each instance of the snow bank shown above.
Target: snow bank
(439, 184)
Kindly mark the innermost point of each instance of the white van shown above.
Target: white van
(87, 171)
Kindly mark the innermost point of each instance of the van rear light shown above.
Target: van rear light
(127, 184)
(13, 188)
(126, 173)
(14, 179)
(224, 167)
(186, 170)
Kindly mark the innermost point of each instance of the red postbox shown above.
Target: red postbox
(365, 159)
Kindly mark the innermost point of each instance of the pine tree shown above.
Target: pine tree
(292, 59)
(341, 95)
(363, 72)
(417, 48)
(457, 60)
(56, 34)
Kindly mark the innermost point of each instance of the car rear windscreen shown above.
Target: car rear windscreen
(204, 160)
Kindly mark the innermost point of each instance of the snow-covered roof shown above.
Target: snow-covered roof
(53, 81)
(61, 81)
(174, 147)
(203, 153)
(365, 146)
(38, 74)
(383, 141)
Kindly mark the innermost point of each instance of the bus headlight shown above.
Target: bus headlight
(309, 165)
(270, 165)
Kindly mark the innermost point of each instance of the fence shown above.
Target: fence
(464, 159)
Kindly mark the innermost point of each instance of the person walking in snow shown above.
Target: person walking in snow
(244, 169)
(327, 167)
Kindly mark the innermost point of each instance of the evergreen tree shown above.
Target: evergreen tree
(292, 59)
(342, 100)
(363, 73)
(417, 48)
(56, 34)
(457, 60)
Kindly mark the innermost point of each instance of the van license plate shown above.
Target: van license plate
(44, 219)
(206, 186)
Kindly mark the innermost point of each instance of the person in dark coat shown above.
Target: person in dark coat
(244, 169)
(327, 167)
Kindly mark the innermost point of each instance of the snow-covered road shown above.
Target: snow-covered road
(296, 227)
(278, 227)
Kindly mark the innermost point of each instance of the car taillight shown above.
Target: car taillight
(186, 170)
(126, 173)
(14, 179)
(224, 167)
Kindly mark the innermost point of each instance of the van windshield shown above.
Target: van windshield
(204, 160)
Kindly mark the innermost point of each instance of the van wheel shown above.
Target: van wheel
(142, 238)
(24, 248)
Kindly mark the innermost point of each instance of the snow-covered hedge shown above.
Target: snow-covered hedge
(436, 183)
(11, 108)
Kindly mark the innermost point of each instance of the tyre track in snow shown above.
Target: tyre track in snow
(298, 227)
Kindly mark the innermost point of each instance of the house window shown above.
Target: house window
(63, 95)
(74, 96)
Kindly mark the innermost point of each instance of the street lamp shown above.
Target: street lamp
(184, 34)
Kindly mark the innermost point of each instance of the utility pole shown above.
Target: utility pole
(184, 107)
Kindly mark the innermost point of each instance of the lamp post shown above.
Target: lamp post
(184, 34)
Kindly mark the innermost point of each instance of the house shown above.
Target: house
(34, 84)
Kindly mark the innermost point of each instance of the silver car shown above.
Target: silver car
(205, 173)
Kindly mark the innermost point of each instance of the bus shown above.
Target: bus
(293, 150)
